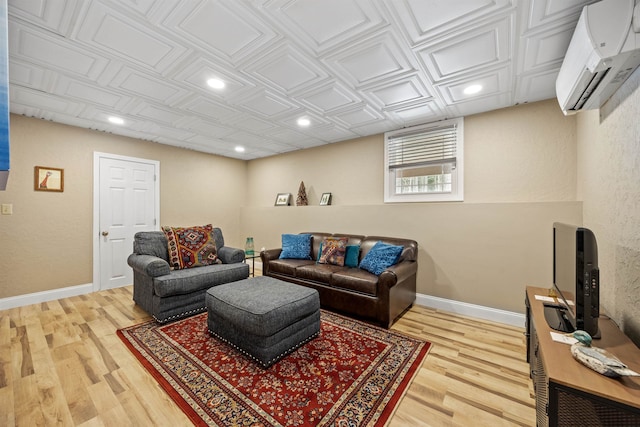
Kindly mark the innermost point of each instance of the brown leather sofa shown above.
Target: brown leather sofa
(352, 290)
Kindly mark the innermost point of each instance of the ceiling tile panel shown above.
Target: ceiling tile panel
(493, 83)
(333, 133)
(286, 135)
(47, 103)
(91, 93)
(287, 70)
(421, 113)
(358, 117)
(423, 20)
(154, 113)
(403, 91)
(224, 29)
(322, 25)
(329, 98)
(206, 127)
(536, 86)
(26, 75)
(269, 105)
(146, 85)
(208, 108)
(121, 37)
(254, 124)
(543, 12)
(471, 51)
(44, 50)
(143, 7)
(54, 16)
(547, 48)
(198, 70)
(372, 61)
(170, 132)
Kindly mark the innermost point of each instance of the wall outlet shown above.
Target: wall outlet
(7, 209)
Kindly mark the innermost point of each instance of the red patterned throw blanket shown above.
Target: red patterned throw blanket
(353, 374)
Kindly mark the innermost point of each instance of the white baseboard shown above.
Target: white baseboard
(472, 310)
(44, 296)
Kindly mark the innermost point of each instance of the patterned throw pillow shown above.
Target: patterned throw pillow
(333, 250)
(191, 246)
(296, 246)
(380, 257)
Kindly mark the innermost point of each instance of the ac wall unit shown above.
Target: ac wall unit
(603, 52)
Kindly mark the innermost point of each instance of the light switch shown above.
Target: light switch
(7, 209)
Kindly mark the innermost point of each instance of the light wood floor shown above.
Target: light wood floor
(61, 363)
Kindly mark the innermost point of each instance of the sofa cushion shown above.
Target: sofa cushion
(296, 246)
(180, 282)
(317, 272)
(352, 256)
(287, 267)
(191, 246)
(333, 251)
(356, 280)
(380, 257)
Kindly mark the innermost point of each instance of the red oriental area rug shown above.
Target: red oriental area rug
(353, 374)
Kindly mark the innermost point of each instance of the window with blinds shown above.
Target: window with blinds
(424, 163)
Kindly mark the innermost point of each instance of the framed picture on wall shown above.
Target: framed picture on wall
(325, 199)
(48, 179)
(283, 199)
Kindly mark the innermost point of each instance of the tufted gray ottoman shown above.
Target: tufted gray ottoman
(263, 317)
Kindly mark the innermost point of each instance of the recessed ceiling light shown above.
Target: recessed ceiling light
(215, 83)
(471, 89)
(240, 149)
(303, 121)
(116, 120)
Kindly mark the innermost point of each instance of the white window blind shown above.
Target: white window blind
(424, 163)
(423, 148)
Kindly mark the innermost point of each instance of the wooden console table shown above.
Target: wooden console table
(567, 392)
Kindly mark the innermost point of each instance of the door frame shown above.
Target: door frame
(96, 204)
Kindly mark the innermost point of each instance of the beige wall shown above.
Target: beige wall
(47, 242)
(520, 177)
(609, 177)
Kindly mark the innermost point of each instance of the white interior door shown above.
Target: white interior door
(128, 194)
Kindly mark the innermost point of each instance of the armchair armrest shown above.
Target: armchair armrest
(148, 265)
(229, 255)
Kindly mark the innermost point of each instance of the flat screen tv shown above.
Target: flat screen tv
(576, 280)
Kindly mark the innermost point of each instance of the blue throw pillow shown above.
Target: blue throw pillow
(351, 258)
(296, 246)
(380, 257)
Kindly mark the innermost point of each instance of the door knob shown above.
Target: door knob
(105, 233)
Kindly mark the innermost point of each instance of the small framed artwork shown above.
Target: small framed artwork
(325, 199)
(48, 179)
(283, 199)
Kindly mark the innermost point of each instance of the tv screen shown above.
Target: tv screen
(575, 279)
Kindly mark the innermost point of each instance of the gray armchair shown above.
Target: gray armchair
(172, 294)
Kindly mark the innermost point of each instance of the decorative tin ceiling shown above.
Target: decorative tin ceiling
(351, 67)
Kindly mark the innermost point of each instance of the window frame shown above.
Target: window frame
(457, 178)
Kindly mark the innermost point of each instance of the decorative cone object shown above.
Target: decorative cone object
(302, 196)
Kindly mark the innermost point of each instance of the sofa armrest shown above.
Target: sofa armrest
(148, 265)
(398, 273)
(229, 255)
(269, 255)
